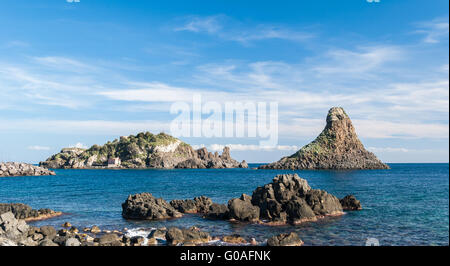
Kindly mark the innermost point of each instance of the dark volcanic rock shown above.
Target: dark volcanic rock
(323, 203)
(350, 203)
(144, 150)
(145, 206)
(197, 205)
(242, 209)
(22, 169)
(217, 211)
(290, 239)
(193, 235)
(299, 211)
(23, 211)
(290, 199)
(337, 147)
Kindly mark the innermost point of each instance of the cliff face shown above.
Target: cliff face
(337, 147)
(145, 150)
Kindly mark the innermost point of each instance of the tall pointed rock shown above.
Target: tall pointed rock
(337, 147)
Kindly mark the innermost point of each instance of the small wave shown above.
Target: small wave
(144, 232)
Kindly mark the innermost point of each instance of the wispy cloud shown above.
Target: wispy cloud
(228, 29)
(78, 145)
(247, 147)
(39, 148)
(434, 31)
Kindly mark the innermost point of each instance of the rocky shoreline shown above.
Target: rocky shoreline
(22, 169)
(15, 232)
(287, 200)
(26, 213)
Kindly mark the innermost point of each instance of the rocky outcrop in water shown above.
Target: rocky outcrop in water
(144, 206)
(290, 199)
(144, 150)
(287, 199)
(25, 212)
(197, 205)
(337, 147)
(242, 209)
(22, 169)
(350, 203)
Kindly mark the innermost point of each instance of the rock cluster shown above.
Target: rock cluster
(144, 150)
(287, 199)
(337, 147)
(145, 206)
(22, 169)
(25, 212)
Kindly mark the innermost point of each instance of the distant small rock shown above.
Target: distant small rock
(350, 203)
(22, 169)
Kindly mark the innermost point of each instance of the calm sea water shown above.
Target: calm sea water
(407, 205)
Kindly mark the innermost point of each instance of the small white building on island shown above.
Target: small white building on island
(114, 162)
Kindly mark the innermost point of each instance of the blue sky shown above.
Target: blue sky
(85, 73)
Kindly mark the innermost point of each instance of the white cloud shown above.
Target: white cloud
(387, 149)
(78, 145)
(228, 29)
(197, 24)
(435, 31)
(39, 148)
(363, 60)
(247, 147)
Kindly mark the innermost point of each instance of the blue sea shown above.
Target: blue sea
(406, 205)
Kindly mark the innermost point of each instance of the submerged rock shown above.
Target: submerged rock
(337, 147)
(145, 206)
(22, 169)
(290, 239)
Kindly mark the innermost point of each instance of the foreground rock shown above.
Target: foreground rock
(15, 232)
(144, 150)
(191, 236)
(290, 239)
(22, 169)
(25, 212)
(197, 205)
(288, 199)
(337, 147)
(145, 206)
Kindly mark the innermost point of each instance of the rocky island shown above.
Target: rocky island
(337, 147)
(22, 169)
(287, 200)
(144, 150)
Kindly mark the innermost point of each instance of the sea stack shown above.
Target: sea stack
(337, 147)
